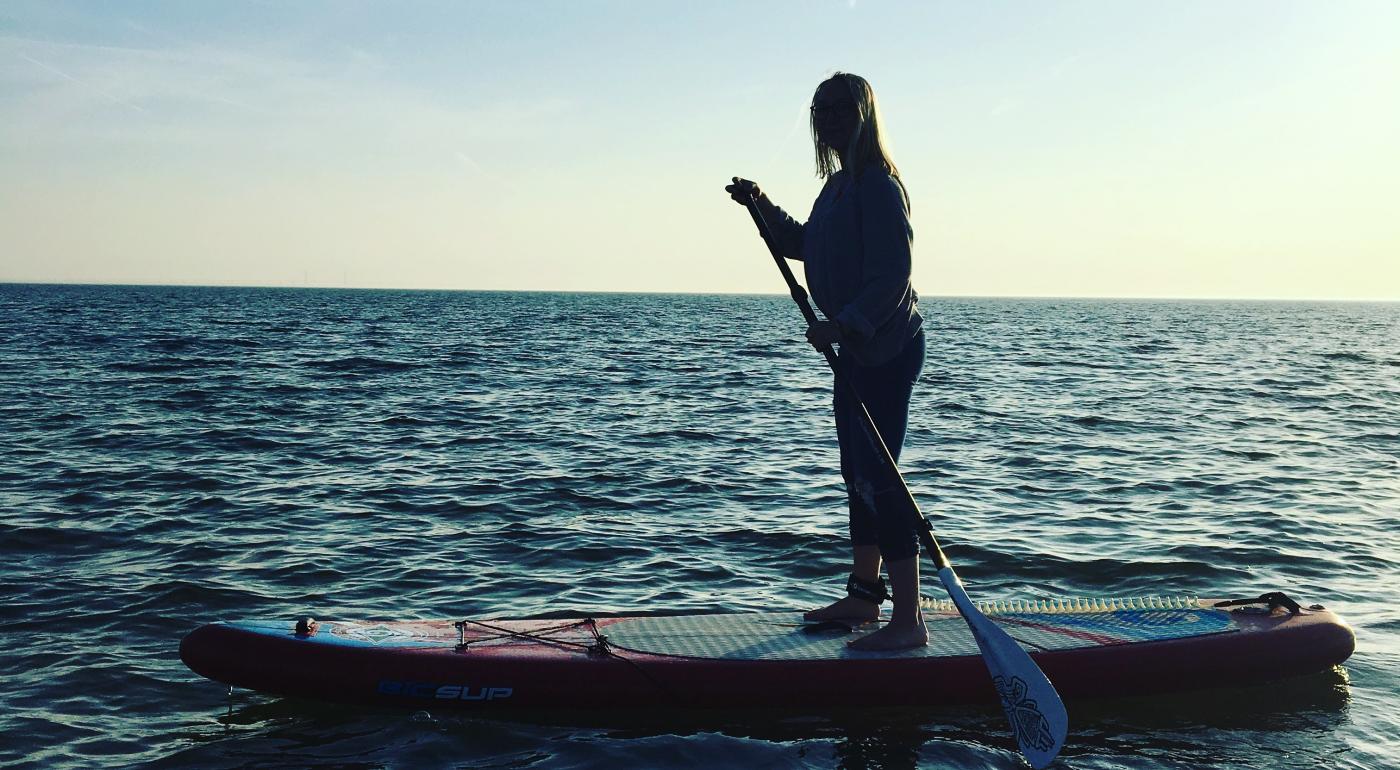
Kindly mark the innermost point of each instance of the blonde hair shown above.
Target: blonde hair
(868, 144)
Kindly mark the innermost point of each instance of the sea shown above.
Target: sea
(172, 456)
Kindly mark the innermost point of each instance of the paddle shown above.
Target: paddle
(1036, 713)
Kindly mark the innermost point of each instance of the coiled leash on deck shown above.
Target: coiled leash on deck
(1275, 600)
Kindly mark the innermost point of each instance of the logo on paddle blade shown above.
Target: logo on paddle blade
(1032, 729)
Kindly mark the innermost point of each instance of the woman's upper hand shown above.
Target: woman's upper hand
(741, 190)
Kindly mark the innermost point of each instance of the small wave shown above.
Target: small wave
(179, 479)
(287, 389)
(207, 503)
(31, 540)
(172, 344)
(681, 434)
(168, 596)
(404, 421)
(83, 498)
(362, 364)
(460, 358)
(679, 486)
(761, 353)
(148, 367)
(1036, 363)
(1349, 357)
(603, 554)
(1251, 454)
(234, 342)
(236, 439)
(189, 365)
(567, 498)
(959, 407)
(1099, 421)
(475, 440)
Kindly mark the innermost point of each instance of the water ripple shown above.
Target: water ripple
(174, 456)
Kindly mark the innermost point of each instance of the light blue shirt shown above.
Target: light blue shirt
(856, 248)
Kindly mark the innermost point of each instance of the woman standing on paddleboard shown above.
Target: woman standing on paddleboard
(855, 247)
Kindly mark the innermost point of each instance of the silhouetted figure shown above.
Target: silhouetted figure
(855, 247)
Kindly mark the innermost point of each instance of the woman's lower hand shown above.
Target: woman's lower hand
(741, 190)
(823, 333)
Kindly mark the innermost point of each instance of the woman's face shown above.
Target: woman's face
(835, 115)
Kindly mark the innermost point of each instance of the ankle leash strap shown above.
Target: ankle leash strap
(871, 591)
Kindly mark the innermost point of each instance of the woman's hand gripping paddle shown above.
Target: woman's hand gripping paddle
(1036, 713)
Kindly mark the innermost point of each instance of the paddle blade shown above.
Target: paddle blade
(1036, 713)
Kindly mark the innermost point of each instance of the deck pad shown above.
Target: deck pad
(781, 636)
(777, 636)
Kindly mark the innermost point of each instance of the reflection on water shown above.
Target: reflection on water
(1268, 706)
(1195, 727)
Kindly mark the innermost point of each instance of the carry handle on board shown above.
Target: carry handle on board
(1037, 715)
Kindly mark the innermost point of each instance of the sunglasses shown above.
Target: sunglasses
(832, 108)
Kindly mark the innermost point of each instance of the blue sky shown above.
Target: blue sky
(1188, 149)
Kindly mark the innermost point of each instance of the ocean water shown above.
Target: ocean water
(173, 456)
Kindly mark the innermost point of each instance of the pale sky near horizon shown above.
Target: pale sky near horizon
(1186, 149)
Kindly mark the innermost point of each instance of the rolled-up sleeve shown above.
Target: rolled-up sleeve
(887, 238)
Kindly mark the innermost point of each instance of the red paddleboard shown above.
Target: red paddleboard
(1086, 647)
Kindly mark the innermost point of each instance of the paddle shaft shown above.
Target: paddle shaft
(799, 295)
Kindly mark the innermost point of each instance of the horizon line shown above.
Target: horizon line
(1171, 298)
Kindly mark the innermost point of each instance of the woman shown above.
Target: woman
(855, 248)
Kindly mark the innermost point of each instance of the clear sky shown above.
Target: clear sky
(1141, 149)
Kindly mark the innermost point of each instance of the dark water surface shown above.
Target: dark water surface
(172, 456)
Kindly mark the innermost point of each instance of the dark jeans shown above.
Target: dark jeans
(876, 516)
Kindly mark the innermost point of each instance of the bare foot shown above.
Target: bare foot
(892, 637)
(850, 608)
